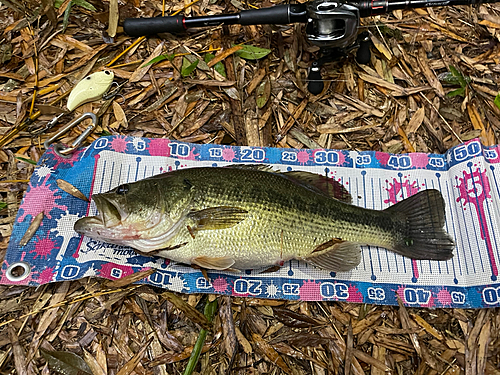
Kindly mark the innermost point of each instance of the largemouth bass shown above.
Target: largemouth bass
(248, 217)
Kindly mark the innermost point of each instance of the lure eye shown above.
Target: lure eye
(107, 72)
(122, 189)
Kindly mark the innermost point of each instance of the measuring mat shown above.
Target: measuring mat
(467, 175)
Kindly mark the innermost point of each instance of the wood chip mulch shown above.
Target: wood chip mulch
(430, 85)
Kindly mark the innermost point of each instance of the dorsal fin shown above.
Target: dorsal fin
(313, 181)
(322, 184)
(253, 167)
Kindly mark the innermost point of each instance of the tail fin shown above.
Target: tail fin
(424, 236)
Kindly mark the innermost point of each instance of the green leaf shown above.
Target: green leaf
(26, 160)
(66, 16)
(170, 57)
(263, 92)
(3, 205)
(463, 80)
(389, 32)
(84, 4)
(457, 92)
(219, 67)
(104, 133)
(252, 53)
(209, 312)
(449, 78)
(66, 363)
(497, 101)
(187, 67)
(454, 77)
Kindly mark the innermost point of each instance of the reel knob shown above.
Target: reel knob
(315, 84)
(363, 54)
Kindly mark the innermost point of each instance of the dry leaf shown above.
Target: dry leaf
(191, 313)
(145, 66)
(267, 350)
(120, 116)
(70, 189)
(415, 121)
(34, 225)
(113, 18)
(381, 47)
(129, 367)
(223, 54)
(130, 279)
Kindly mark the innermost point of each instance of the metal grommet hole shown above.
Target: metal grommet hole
(18, 271)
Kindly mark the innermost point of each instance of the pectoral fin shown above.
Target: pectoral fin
(222, 263)
(217, 217)
(335, 256)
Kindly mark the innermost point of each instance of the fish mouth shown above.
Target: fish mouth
(110, 215)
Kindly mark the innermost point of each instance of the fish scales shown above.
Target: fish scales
(248, 218)
(284, 221)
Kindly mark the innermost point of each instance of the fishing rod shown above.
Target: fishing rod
(331, 25)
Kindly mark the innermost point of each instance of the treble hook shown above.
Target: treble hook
(115, 92)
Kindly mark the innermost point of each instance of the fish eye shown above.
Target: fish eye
(122, 189)
(107, 72)
(89, 77)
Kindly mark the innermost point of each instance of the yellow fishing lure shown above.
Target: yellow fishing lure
(90, 88)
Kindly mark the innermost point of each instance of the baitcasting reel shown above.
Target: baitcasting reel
(333, 26)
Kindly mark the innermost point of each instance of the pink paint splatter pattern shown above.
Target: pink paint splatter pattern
(228, 154)
(398, 191)
(190, 156)
(354, 294)
(44, 246)
(119, 144)
(310, 291)
(75, 156)
(220, 285)
(430, 304)
(444, 297)
(303, 157)
(419, 160)
(40, 199)
(115, 271)
(382, 157)
(475, 189)
(46, 275)
(341, 158)
(159, 147)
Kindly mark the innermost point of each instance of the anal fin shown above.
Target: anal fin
(271, 269)
(335, 255)
(213, 263)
